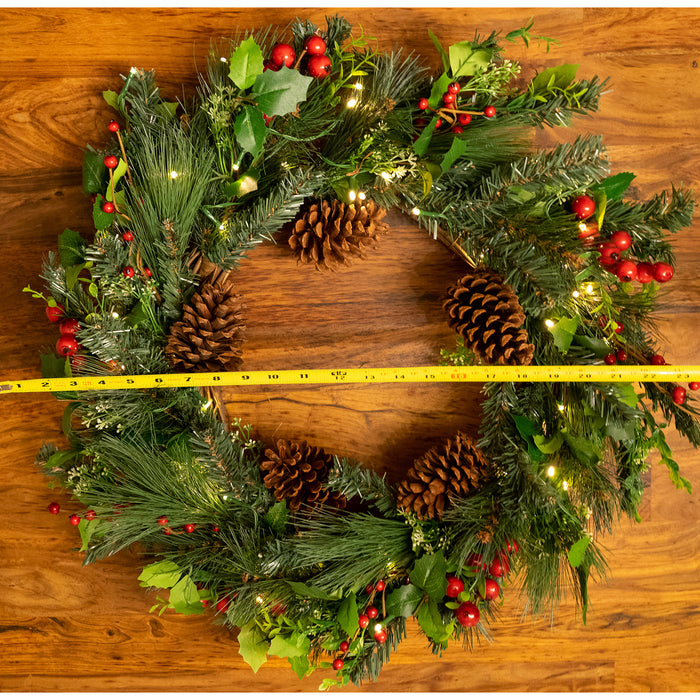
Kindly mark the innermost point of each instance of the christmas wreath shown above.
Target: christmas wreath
(306, 136)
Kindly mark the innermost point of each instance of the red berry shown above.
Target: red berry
(588, 230)
(499, 566)
(222, 604)
(626, 270)
(621, 239)
(67, 345)
(657, 360)
(464, 119)
(111, 162)
(363, 621)
(371, 612)
(74, 519)
(583, 206)
(54, 508)
(380, 636)
(454, 586)
(619, 327)
(69, 326)
(609, 252)
(513, 546)
(454, 88)
(344, 646)
(315, 45)
(162, 520)
(694, 386)
(610, 359)
(90, 515)
(338, 664)
(467, 614)
(662, 272)
(215, 528)
(147, 272)
(679, 395)
(369, 588)
(380, 586)
(54, 313)
(448, 98)
(475, 560)
(457, 129)
(128, 272)
(108, 207)
(645, 273)
(491, 589)
(127, 236)
(490, 111)
(283, 55)
(270, 65)
(438, 123)
(621, 355)
(113, 126)
(423, 103)
(319, 66)
(189, 527)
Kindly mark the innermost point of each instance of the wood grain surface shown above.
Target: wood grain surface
(66, 628)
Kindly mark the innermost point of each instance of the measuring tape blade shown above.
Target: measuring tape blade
(480, 373)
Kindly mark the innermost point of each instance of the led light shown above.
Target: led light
(561, 406)
(221, 228)
(235, 166)
(259, 599)
(206, 405)
(385, 175)
(550, 471)
(575, 294)
(362, 195)
(352, 195)
(223, 59)
(115, 314)
(549, 323)
(565, 485)
(173, 174)
(415, 211)
(358, 86)
(377, 628)
(589, 289)
(582, 227)
(351, 102)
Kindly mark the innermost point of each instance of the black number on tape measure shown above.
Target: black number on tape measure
(303, 376)
(73, 383)
(273, 376)
(44, 384)
(130, 381)
(245, 376)
(216, 379)
(158, 380)
(102, 381)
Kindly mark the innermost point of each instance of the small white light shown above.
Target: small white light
(358, 86)
(582, 227)
(206, 405)
(565, 485)
(362, 195)
(221, 228)
(173, 174)
(377, 628)
(575, 294)
(385, 175)
(589, 289)
(235, 166)
(223, 59)
(549, 323)
(352, 195)
(415, 211)
(561, 406)
(259, 599)
(550, 471)
(115, 314)
(351, 102)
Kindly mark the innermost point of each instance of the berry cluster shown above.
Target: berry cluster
(66, 345)
(313, 60)
(611, 249)
(450, 113)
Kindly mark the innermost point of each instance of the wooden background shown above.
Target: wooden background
(64, 628)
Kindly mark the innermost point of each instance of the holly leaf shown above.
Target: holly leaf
(117, 174)
(563, 332)
(596, 345)
(101, 219)
(86, 528)
(111, 98)
(626, 394)
(52, 366)
(288, 646)
(162, 574)
(429, 573)
(466, 60)
(457, 150)
(249, 130)
(554, 77)
(137, 314)
(615, 185)
(403, 601)
(94, 170)
(430, 621)
(301, 665)
(279, 92)
(526, 427)
(246, 64)
(421, 144)
(348, 615)
(305, 591)
(71, 248)
(582, 449)
(437, 91)
(277, 517)
(443, 54)
(550, 446)
(578, 550)
(184, 597)
(252, 645)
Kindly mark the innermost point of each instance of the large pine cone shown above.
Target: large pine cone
(208, 336)
(295, 472)
(327, 234)
(456, 469)
(487, 314)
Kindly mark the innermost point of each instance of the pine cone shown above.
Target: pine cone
(296, 471)
(208, 336)
(456, 469)
(487, 314)
(327, 234)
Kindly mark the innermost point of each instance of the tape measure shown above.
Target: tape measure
(479, 373)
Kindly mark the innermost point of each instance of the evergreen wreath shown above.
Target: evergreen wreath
(314, 132)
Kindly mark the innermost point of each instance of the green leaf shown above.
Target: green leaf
(246, 64)
(327, 683)
(550, 446)
(457, 150)
(305, 591)
(421, 144)
(526, 427)
(252, 645)
(624, 432)
(578, 550)
(162, 574)
(168, 109)
(72, 274)
(279, 92)
(615, 185)
(582, 449)
(52, 366)
(111, 98)
(284, 646)
(277, 517)
(60, 457)
(94, 171)
(438, 89)
(466, 60)
(250, 130)
(184, 597)
(626, 394)
(443, 54)
(101, 219)
(86, 528)
(117, 174)
(430, 621)
(563, 332)
(246, 183)
(556, 76)
(429, 573)
(301, 666)
(597, 345)
(348, 615)
(71, 248)
(137, 314)
(403, 601)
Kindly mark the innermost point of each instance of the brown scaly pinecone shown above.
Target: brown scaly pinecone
(487, 314)
(456, 469)
(328, 233)
(296, 471)
(208, 336)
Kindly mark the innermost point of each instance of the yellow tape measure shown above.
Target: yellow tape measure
(479, 373)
